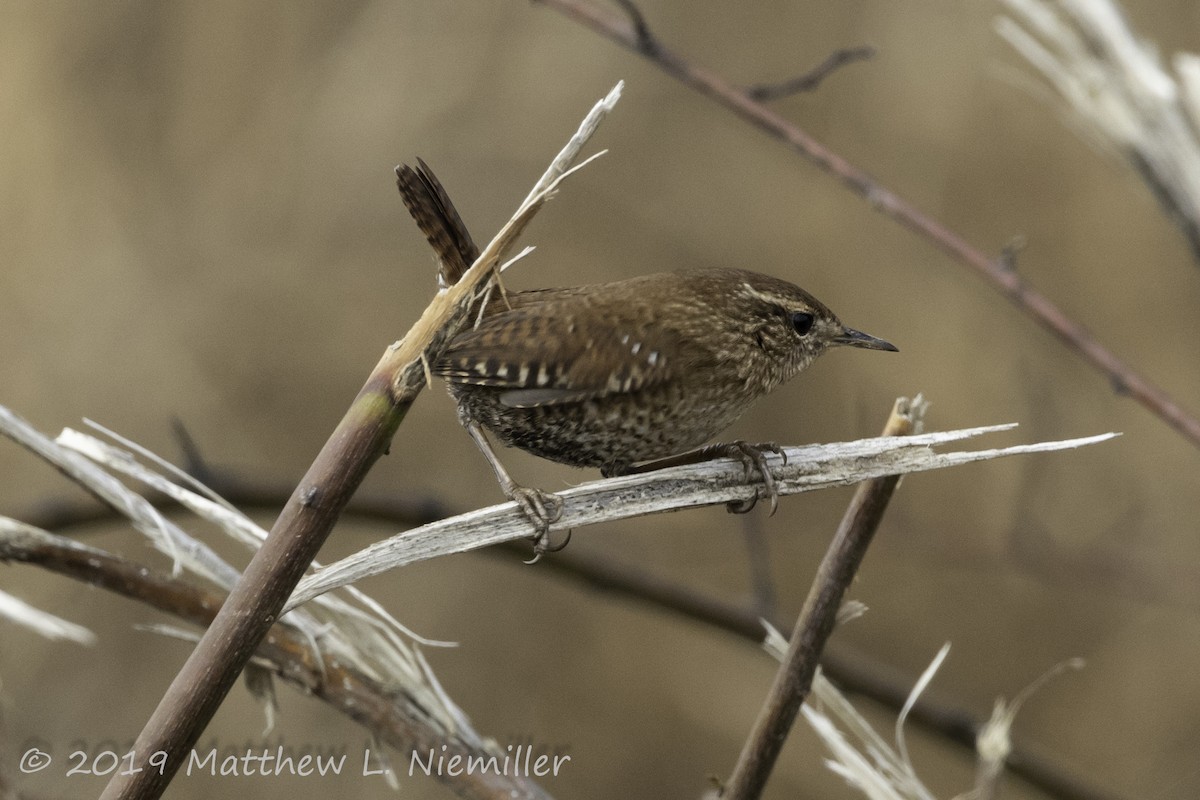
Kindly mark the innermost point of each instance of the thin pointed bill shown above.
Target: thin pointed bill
(854, 338)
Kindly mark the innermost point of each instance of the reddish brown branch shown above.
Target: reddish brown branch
(815, 624)
(255, 602)
(1121, 375)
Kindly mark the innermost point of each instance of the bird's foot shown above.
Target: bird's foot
(753, 457)
(542, 509)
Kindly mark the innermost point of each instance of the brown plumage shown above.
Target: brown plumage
(617, 373)
(613, 374)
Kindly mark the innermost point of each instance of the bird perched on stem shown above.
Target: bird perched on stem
(614, 375)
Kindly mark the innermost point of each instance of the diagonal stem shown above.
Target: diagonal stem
(815, 623)
(1120, 374)
(363, 435)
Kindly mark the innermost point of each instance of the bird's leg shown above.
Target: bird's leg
(541, 508)
(752, 456)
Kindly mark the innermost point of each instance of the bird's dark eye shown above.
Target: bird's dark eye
(802, 322)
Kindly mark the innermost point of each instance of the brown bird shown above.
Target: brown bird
(614, 374)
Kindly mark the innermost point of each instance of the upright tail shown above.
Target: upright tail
(437, 218)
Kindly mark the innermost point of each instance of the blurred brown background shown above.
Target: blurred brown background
(198, 220)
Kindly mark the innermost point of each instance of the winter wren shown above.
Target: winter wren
(618, 373)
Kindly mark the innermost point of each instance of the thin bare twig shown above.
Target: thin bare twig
(645, 41)
(1120, 374)
(816, 620)
(766, 92)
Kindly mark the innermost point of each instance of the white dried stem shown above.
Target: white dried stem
(868, 762)
(40, 622)
(709, 483)
(185, 551)
(362, 637)
(1120, 95)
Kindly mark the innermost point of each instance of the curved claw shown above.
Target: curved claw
(753, 457)
(742, 506)
(542, 509)
(777, 450)
(542, 545)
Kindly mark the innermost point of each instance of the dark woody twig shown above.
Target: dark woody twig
(766, 92)
(644, 40)
(816, 620)
(1120, 374)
